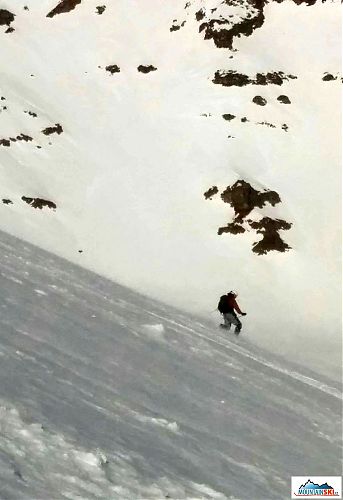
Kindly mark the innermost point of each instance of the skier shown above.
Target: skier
(228, 306)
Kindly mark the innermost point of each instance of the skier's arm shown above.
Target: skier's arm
(236, 307)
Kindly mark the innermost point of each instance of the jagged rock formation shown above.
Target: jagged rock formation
(113, 68)
(231, 78)
(211, 192)
(244, 199)
(39, 203)
(284, 99)
(57, 129)
(259, 100)
(63, 7)
(146, 69)
(6, 17)
(100, 9)
(269, 228)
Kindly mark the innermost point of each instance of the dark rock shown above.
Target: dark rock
(284, 99)
(146, 69)
(63, 7)
(10, 30)
(39, 203)
(101, 9)
(232, 78)
(199, 15)
(5, 142)
(328, 77)
(228, 117)
(269, 228)
(271, 125)
(24, 137)
(113, 68)
(6, 17)
(244, 198)
(57, 129)
(259, 100)
(211, 192)
(232, 228)
(7, 201)
(31, 113)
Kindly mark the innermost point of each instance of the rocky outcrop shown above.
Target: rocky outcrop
(63, 7)
(39, 203)
(113, 68)
(57, 129)
(231, 78)
(146, 69)
(243, 198)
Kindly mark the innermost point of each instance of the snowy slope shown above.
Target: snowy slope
(127, 155)
(108, 394)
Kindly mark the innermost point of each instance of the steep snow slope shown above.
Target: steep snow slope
(115, 116)
(108, 394)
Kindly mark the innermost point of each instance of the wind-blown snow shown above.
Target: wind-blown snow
(92, 406)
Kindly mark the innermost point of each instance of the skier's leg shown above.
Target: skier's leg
(237, 324)
(227, 320)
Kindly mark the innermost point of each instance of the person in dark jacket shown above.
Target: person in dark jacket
(229, 313)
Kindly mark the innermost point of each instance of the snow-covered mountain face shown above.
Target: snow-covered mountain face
(132, 133)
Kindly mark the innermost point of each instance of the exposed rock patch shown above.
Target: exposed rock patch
(222, 30)
(284, 99)
(6, 201)
(232, 78)
(228, 117)
(6, 17)
(269, 228)
(10, 30)
(146, 69)
(5, 142)
(113, 68)
(199, 15)
(259, 100)
(232, 228)
(100, 9)
(328, 77)
(267, 124)
(39, 203)
(31, 113)
(244, 198)
(57, 129)
(63, 7)
(24, 137)
(211, 192)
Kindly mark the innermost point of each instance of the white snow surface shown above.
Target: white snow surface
(93, 407)
(138, 151)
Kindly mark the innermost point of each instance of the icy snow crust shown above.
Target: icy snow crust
(108, 394)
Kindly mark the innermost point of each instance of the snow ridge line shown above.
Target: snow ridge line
(295, 375)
